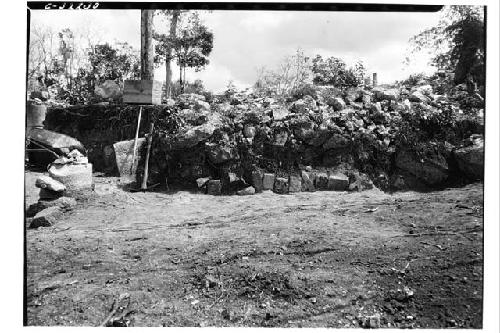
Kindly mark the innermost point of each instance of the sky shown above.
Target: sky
(247, 40)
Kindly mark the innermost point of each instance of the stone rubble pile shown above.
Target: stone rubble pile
(68, 176)
(355, 131)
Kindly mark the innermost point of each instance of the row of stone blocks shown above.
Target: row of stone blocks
(306, 182)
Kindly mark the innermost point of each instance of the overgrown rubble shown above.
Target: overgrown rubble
(393, 137)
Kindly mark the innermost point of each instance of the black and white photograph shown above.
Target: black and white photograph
(258, 165)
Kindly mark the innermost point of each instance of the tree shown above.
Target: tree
(458, 41)
(190, 47)
(334, 71)
(147, 51)
(293, 72)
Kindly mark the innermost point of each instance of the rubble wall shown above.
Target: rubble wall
(398, 138)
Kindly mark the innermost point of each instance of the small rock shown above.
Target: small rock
(247, 191)
(49, 183)
(268, 181)
(214, 187)
(295, 184)
(281, 185)
(46, 217)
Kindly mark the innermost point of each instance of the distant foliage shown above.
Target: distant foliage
(190, 47)
(458, 41)
(334, 71)
(291, 74)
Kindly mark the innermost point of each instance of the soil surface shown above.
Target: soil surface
(322, 259)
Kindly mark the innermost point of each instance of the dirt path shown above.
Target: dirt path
(323, 259)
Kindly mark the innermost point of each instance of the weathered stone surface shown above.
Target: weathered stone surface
(246, 191)
(389, 94)
(338, 103)
(280, 113)
(190, 137)
(321, 181)
(281, 185)
(46, 217)
(249, 131)
(75, 177)
(360, 182)
(418, 96)
(109, 89)
(214, 187)
(432, 170)
(257, 182)
(268, 181)
(124, 151)
(470, 160)
(64, 203)
(338, 182)
(218, 153)
(280, 138)
(201, 105)
(295, 184)
(45, 194)
(201, 182)
(54, 140)
(307, 181)
(336, 141)
(49, 184)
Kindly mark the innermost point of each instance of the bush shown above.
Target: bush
(303, 90)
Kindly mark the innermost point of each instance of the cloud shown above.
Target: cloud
(247, 40)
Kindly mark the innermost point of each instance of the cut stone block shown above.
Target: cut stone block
(268, 181)
(75, 177)
(321, 181)
(281, 185)
(214, 187)
(295, 184)
(338, 182)
(257, 176)
(307, 181)
(124, 151)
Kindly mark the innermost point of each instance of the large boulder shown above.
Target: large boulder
(470, 159)
(57, 142)
(432, 169)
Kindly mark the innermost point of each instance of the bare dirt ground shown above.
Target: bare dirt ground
(323, 259)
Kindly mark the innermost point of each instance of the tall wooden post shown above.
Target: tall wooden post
(147, 53)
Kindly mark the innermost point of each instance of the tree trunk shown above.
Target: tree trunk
(168, 69)
(147, 52)
(181, 85)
